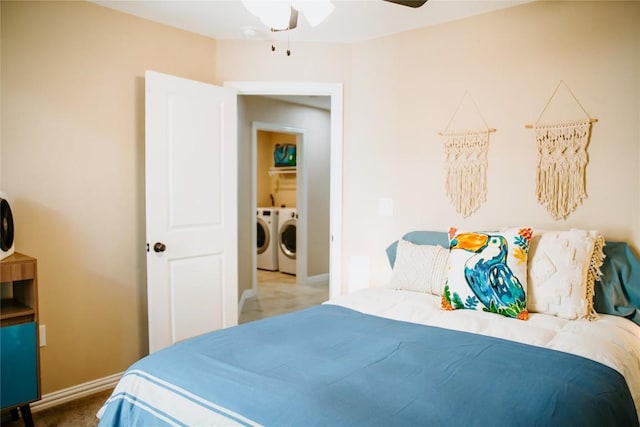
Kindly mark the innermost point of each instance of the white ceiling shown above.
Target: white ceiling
(352, 21)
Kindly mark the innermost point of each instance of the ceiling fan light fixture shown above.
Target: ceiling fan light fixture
(279, 14)
(314, 11)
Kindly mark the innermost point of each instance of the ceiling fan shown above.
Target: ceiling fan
(410, 3)
(293, 17)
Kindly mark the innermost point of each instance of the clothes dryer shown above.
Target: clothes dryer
(267, 238)
(287, 238)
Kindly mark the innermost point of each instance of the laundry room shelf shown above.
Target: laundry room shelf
(274, 171)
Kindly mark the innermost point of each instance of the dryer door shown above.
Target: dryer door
(287, 238)
(263, 236)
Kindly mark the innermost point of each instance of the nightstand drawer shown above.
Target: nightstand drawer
(17, 271)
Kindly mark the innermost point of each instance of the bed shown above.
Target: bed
(396, 355)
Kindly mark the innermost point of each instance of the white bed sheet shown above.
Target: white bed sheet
(610, 340)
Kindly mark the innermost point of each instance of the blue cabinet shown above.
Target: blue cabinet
(19, 352)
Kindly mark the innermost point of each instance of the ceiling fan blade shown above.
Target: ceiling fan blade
(410, 3)
(293, 22)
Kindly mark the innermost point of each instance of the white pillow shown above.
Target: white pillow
(420, 268)
(563, 266)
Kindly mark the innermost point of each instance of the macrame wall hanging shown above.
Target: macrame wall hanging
(466, 155)
(562, 160)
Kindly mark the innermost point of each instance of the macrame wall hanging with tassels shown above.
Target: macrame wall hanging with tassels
(562, 160)
(466, 155)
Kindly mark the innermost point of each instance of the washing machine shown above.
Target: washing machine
(267, 238)
(288, 220)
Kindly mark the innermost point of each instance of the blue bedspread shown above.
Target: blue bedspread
(332, 366)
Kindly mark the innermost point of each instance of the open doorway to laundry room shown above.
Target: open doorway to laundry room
(290, 186)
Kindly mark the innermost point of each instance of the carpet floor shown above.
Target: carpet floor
(77, 413)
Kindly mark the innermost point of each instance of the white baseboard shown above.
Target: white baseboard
(318, 279)
(246, 294)
(59, 397)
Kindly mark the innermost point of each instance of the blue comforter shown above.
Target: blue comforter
(332, 366)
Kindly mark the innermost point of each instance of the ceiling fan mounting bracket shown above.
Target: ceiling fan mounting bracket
(293, 22)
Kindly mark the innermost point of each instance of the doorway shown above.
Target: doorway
(246, 212)
(299, 276)
(280, 196)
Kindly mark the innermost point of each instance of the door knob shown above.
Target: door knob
(159, 247)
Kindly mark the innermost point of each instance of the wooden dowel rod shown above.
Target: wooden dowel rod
(530, 126)
(447, 133)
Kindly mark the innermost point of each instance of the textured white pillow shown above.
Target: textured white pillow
(420, 268)
(563, 266)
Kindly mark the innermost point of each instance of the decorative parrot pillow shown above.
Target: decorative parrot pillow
(488, 271)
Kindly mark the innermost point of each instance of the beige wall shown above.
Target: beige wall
(73, 163)
(73, 160)
(510, 61)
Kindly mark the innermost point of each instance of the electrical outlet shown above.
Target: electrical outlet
(43, 335)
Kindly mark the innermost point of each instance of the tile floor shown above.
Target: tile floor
(278, 293)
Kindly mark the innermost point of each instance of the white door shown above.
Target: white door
(191, 208)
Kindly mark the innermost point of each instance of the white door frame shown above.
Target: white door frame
(333, 90)
(301, 197)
